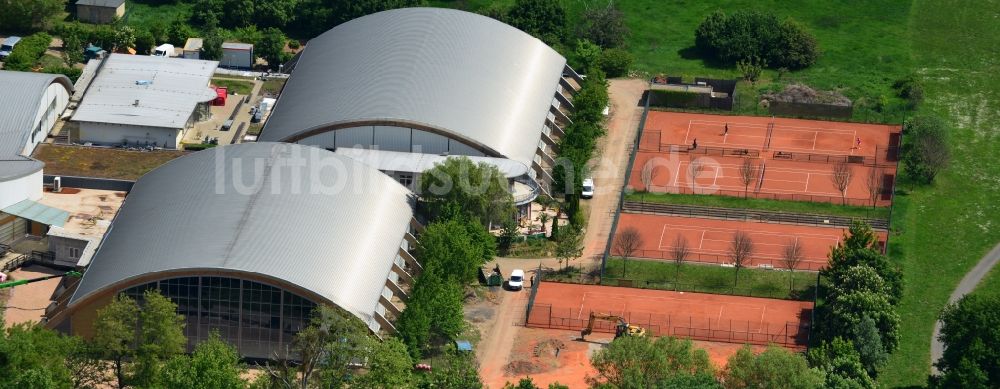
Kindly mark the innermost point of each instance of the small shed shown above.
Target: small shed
(99, 11)
(192, 48)
(237, 55)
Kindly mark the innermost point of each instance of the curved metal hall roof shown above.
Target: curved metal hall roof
(20, 94)
(295, 214)
(465, 75)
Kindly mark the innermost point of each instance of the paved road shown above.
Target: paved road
(968, 283)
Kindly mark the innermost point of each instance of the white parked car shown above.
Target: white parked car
(516, 281)
(588, 188)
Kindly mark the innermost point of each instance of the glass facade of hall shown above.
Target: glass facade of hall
(259, 319)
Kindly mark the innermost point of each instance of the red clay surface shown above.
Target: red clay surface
(797, 165)
(750, 132)
(733, 319)
(709, 239)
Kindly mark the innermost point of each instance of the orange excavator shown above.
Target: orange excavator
(622, 328)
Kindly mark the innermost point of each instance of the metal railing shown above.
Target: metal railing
(837, 200)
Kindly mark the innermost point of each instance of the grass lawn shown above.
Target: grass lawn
(48, 60)
(865, 45)
(98, 162)
(144, 16)
(241, 87)
(800, 207)
(948, 227)
(273, 86)
(712, 279)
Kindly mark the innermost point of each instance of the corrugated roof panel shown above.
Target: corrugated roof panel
(38, 212)
(458, 72)
(20, 98)
(296, 213)
(147, 91)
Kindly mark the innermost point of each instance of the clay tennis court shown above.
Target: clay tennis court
(720, 318)
(751, 132)
(774, 179)
(709, 240)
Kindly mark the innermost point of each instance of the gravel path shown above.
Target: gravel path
(968, 283)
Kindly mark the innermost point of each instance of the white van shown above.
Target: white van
(588, 188)
(516, 281)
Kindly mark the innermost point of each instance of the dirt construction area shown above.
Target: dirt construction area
(709, 240)
(733, 319)
(772, 158)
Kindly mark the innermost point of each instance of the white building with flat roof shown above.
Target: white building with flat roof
(145, 101)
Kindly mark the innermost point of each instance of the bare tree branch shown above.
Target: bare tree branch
(875, 184)
(748, 174)
(680, 251)
(740, 250)
(649, 174)
(842, 174)
(627, 242)
(791, 255)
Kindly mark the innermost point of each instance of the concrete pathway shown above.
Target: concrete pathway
(968, 283)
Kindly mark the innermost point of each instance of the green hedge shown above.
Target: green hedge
(27, 52)
(676, 99)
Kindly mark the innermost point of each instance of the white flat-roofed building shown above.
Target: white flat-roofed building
(145, 101)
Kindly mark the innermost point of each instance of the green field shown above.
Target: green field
(865, 45)
(711, 279)
(144, 16)
(761, 204)
(948, 227)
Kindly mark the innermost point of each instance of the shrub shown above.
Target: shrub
(27, 52)
(616, 62)
(746, 35)
(604, 26)
(294, 44)
(911, 89)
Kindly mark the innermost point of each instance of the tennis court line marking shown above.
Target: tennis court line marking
(682, 227)
(639, 297)
(776, 126)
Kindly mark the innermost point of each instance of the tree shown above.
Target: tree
(587, 56)
(843, 367)
(859, 248)
(627, 242)
(115, 334)
(323, 351)
(455, 370)
(750, 69)
(543, 219)
(745, 35)
(508, 232)
(214, 364)
(33, 357)
(73, 40)
(271, 46)
(144, 42)
(969, 331)
(648, 175)
(29, 16)
(524, 383)
(605, 26)
(161, 336)
(868, 343)
(748, 174)
(456, 247)
(414, 328)
(207, 13)
(695, 167)
(616, 62)
(543, 19)
(680, 251)
(640, 362)
(846, 310)
(178, 32)
(389, 366)
(481, 190)
(125, 38)
(773, 368)
(211, 48)
(925, 149)
(569, 245)
(875, 184)
(841, 177)
(791, 255)
(740, 250)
